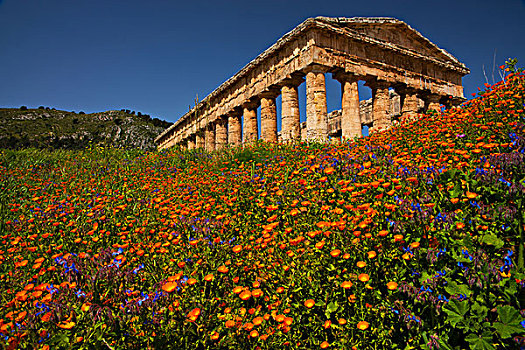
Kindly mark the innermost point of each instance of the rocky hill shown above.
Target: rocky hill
(51, 128)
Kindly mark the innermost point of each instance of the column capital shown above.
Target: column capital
(315, 68)
(430, 97)
(404, 89)
(221, 119)
(342, 76)
(272, 92)
(250, 104)
(293, 80)
(378, 84)
(235, 112)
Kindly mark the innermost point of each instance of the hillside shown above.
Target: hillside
(50, 128)
(412, 238)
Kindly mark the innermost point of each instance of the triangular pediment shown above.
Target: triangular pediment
(392, 32)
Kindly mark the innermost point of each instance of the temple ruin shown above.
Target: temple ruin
(406, 72)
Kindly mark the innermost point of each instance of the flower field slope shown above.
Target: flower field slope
(411, 238)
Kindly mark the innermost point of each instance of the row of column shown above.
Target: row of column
(227, 129)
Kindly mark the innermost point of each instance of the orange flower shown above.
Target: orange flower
(169, 287)
(230, 323)
(362, 325)
(209, 277)
(398, 238)
(414, 245)
(325, 344)
(245, 295)
(335, 253)
(342, 321)
(288, 321)
(194, 314)
(346, 284)
(66, 325)
(309, 303)
(471, 195)
(361, 264)
(191, 281)
(237, 248)
(371, 254)
(223, 269)
(391, 285)
(257, 293)
(364, 277)
(454, 200)
(320, 245)
(383, 233)
(85, 307)
(254, 334)
(280, 318)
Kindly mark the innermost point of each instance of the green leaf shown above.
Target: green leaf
(456, 311)
(510, 322)
(453, 288)
(483, 343)
(456, 191)
(509, 315)
(492, 240)
(332, 307)
(480, 311)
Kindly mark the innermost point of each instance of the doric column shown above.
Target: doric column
(250, 132)
(234, 129)
(432, 103)
(199, 139)
(290, 117)
(221, 133)
(410, 103)
(380, 105)
(268, 117)
(191, 143)
(209, 137)
(350, 116)
(316, 110)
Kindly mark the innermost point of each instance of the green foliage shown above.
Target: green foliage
(51, 129)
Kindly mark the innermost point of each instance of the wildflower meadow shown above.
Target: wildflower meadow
(411, 238)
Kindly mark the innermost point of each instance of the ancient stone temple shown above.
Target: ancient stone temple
(386, 53)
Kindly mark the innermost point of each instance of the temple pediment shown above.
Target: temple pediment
(394, 33)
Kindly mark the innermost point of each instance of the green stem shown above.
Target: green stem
(522, 239)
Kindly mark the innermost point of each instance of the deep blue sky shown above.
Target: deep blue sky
(155, 56)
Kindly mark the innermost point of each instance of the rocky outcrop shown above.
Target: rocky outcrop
(49, 128)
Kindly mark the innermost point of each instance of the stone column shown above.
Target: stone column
(250, 132)
(191, 143)
(410, 103)
(316, 110)
(380, 105)
(199, 139)
(268, 117)
(234, 129)
(210, 137)
(432, 103)
(290, 117)
(221, 133)
(350, 111)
